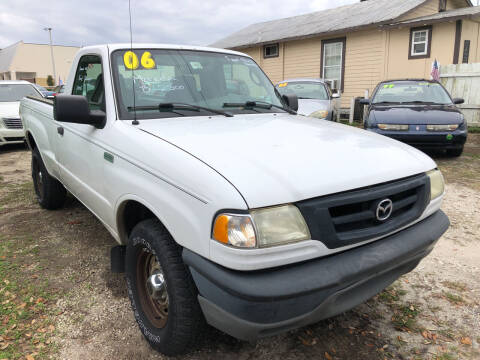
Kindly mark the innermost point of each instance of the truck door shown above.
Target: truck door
(80, 154)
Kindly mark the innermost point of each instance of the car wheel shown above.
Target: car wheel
(455, 152)
(161, 290)
(50, 192)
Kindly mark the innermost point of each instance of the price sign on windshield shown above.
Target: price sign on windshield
(131, 61)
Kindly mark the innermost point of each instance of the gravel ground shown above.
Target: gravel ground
(430, 313)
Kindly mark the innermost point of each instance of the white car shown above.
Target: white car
(227, 206)
(11, 92)
(315, 99)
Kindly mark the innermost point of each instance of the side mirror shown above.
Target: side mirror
(291, 100)
(458, 101)
(364, 101)
(335, 96)
(74, 109)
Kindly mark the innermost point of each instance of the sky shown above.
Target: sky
(191, 22)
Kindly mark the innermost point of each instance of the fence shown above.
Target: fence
(463, 81)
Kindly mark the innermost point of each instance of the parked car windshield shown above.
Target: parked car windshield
(411, 92)
(200, 78)
(16, 92)
(304, 89)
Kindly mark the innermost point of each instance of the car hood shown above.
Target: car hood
(280, 158)
(308, 106)
(417, 115)
(9, 109)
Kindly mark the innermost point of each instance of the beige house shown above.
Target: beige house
(356, 46)
(33, 62)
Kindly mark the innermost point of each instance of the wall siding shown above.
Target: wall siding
(399, 66)
(456, 4)
(302, 58)
(273, 67)
(470, 31)
(428, 8)
(364, 63)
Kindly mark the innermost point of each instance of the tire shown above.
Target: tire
(171, 320)
(455, 152)
(50, 192)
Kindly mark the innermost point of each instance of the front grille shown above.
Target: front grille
(13, 123)
(350, 217)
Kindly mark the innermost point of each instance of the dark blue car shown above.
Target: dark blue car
(420, 113)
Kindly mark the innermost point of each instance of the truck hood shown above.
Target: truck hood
(308, 106)
(9, 109)
(280, 158)
(417, 114)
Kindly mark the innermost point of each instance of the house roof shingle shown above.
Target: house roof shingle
(321, 22)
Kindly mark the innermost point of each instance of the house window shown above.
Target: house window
(420, 41)
(270, 51)
(333, 62)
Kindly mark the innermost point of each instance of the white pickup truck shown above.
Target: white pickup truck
(227, 206)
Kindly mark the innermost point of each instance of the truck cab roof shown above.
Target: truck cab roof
(117, 46)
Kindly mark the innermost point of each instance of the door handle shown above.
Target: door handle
(60, 130)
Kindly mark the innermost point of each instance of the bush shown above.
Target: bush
(50, 80)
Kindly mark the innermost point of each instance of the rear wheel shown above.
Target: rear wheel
(161, 290)
(455, 152)
(50, 192)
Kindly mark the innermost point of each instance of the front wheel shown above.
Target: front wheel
(161, 290)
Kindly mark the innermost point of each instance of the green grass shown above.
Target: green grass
(445, 356)
(455, 285)
(454, 299)
(404, 317)
(391, 295)
(26, 305)
(474, 129)
(16, 193)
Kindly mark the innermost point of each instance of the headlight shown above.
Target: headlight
(437, 185)
(320, 114)
(450, 127)
(394, 127)
(262, 228)
(235, 230)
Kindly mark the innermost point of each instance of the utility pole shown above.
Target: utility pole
(49, 29)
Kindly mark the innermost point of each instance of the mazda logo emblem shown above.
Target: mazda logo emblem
(384, 209)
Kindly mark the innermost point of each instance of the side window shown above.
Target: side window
(420, 42)
(89, 81)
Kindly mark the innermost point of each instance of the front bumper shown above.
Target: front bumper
(11, 136)
(427, 139)
(253, 304)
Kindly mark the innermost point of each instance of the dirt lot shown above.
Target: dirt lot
(58, 298)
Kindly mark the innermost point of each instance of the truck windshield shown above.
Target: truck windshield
(411, 92)
(198, 78)
(16, 92)
(304, 90)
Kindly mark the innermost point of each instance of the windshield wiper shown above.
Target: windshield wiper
(260, 105)
(171, 107)
(421, 102)
(386, 102)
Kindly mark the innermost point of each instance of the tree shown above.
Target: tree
(49, 80)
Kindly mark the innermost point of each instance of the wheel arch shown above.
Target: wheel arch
(130, 210)
(32, 144)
